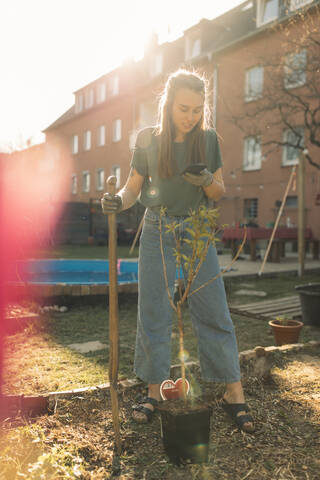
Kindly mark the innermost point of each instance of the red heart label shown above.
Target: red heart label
(170, 390)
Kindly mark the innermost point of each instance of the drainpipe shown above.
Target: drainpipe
(215, 96)
(301, 213)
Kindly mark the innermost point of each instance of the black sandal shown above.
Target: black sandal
(232, 409)
(147, 411)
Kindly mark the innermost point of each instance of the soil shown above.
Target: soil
(286, 444)
(179, 406)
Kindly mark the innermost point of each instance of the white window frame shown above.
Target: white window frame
(132, 139)
(254, 207)
(86, 181)
(252, 156)
(260, 10)
(100, 179)
(192, 47)
(87, 140)
(156, 65)
(89, 98)
(116, 130)
(74, 184)
(101, 92)
(75, 144)
(101, 135)
(288, 149)
(79, 103)
(296, 4)
(116, 171)
(252, 91)
(115, 85)
(292, 70)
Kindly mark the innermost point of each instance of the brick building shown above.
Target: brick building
(94, 138)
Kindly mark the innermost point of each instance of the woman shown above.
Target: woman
(161, 155)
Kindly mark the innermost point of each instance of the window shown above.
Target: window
(291, 202)
(87, 140)
(147, 112)
(254, 83)
(295, 69)
(75, 144)
(79, 103)
(101, 92)
(74, 184)
(100, 179)
(132, 139)
(116, 172)
(250, 208)
(294, 139)
(101, 136)
(252, 153)
(156, 64)
(89, 98)
(115, 85)
(86, 181)
(268, 10)
(116, 130)
(295, 4)
(193, 47)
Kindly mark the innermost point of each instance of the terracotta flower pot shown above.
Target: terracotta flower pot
(285, 334)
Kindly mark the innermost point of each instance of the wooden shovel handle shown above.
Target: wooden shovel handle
(113, 288)
(113, 317)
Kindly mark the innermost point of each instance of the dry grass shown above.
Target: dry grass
(77, 441)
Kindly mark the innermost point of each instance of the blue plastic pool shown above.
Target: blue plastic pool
(82, 272)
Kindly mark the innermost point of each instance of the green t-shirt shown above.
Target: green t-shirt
(175, 193)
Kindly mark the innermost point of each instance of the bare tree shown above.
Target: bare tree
(283, 104)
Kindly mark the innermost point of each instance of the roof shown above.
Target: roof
(64, 118)
(217, 34)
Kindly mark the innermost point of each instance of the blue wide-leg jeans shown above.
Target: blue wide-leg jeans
(217, 345)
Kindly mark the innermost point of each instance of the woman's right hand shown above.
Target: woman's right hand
(111, 204)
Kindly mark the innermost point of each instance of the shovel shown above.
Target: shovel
(113, 317)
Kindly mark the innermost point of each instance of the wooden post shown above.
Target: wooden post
(113, 317)
(278, 219)
(253, 252)
(301, 217)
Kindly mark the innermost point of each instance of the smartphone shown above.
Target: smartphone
(196, 168)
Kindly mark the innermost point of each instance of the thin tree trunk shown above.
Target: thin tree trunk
(181, 350)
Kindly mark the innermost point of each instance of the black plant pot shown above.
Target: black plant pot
(186, 435)
(310, 303)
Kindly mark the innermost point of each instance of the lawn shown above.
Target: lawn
(77, 441)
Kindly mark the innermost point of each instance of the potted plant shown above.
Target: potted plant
(285, 330)
(185, 422)
(310, 303)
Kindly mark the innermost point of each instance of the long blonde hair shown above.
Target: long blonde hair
(195, 139)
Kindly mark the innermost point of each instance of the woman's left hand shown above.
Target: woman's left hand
(203, 179)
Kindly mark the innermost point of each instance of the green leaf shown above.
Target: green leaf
(191, 231)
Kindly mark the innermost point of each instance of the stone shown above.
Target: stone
(87, 346)
(260, 351)
(262, 367)
(247, 355)
(257, 293)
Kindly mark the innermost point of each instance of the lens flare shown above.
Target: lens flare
(153, 192)
(33, 190)
(184, 356)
